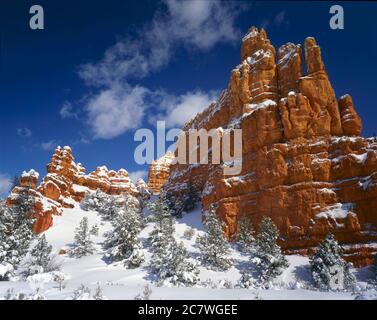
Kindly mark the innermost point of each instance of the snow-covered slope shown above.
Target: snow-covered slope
(117, 282)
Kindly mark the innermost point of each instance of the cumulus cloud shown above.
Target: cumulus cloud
(49, 145)
(24, 132)
(5, 184)
(136, 175)
(66, 111)
(279, 18)
(276, 21)
(117, 106)
(115, 110)
(196, 24)
(177, 110)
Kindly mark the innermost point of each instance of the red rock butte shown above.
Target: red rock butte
(304, 163)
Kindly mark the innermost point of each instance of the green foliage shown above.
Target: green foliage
(245, 234)
(83, 245)
(213, 245)
(329, 270)
(268, 258)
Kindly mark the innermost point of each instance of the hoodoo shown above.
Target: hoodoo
(66, 184)
(304, 162)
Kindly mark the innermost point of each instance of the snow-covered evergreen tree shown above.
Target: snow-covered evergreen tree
(161, 210)
(109, 208)
(245, 234)
(16, 230)
(170, 260)
(83, 245)
(146, 295)
(175, 205)
(144, 193)
(98, 293)
(94, 201)
(268, 258)
(81, 293)
(246, 281)
(213, 246)
(40, 258)
(189, 233)
(122, 241)
(162, 234)
(94, 230)
(374, 267)
(329, 270)
(190, 198)
(130, 202)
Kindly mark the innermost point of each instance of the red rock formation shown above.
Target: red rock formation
(44, 207)
(303, 164)
(66, 184)
(159, 172)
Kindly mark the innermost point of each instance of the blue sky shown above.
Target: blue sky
(100, 71)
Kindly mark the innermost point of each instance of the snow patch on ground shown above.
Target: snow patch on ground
(117, 282)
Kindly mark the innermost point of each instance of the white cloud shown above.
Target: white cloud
(5, 184)
(24, 132)
(176, 111)
(118, 106)
(49, 145)
(115, 110)
(196, 24)
(136, 175)
(66, 111)
(278, 20)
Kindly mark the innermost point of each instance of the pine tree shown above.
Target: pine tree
(16, 229)
(81, 293)
(329, 270)
(175, 205)
(268, 258)
(246, 281)
(109, 208)
(94, 201)
(83, 245)
(161, 210)
(144, 193)
(374, 266)
(179, 268)
(40, 257)
(169, 260)
(162, 234)
(122, 241)
(213, 245)
(190, 199)
(98, 293)
(133, 203)
(245, 234)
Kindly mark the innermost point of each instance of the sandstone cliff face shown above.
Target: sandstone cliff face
(66, 184)
(304, 163)
(159, 172)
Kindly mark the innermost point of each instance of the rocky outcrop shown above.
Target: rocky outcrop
(44, 208)
(66, 184)
(303, 161)
(159, 172)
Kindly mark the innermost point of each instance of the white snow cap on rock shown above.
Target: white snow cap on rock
(30, 173)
